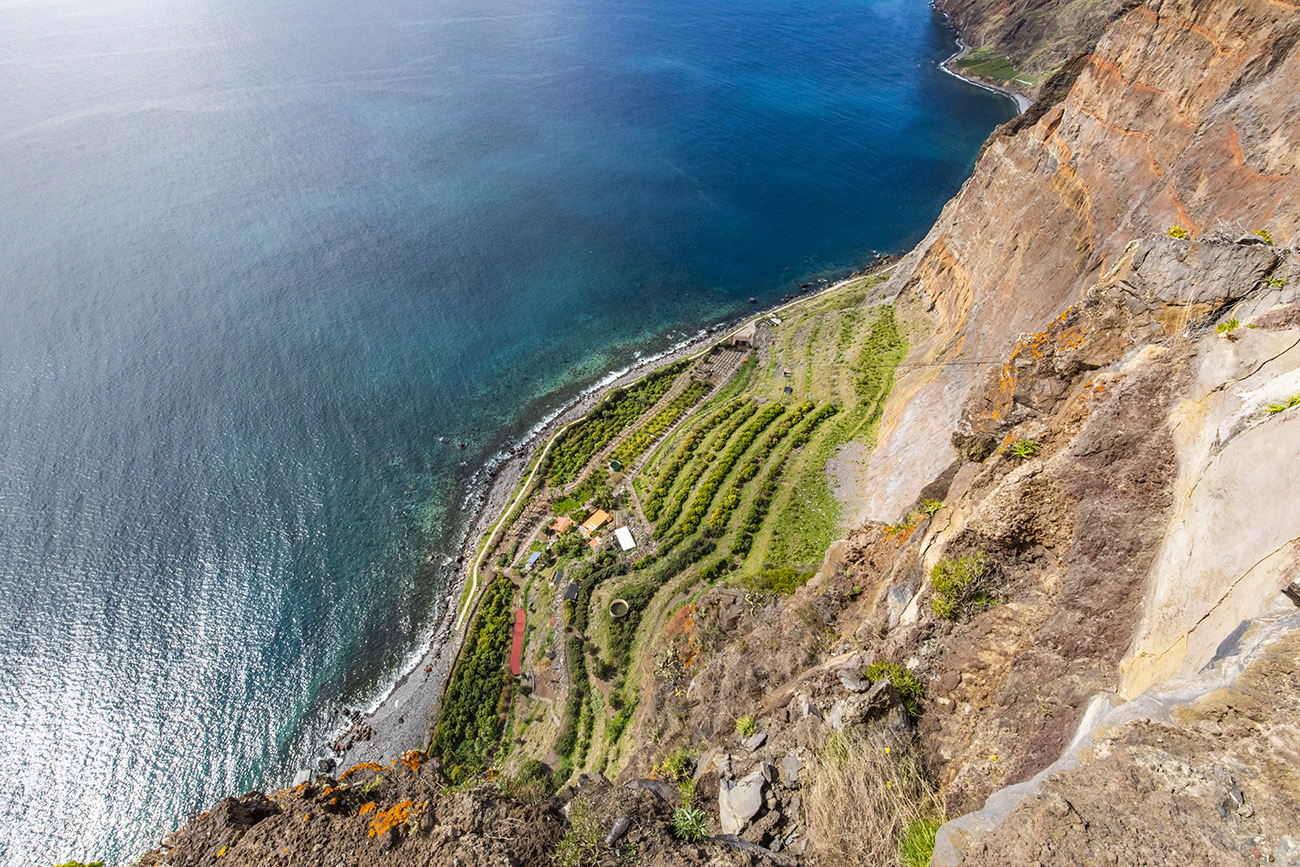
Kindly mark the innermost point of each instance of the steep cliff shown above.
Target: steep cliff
(1065, 606)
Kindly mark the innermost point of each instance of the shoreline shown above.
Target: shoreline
(1022, 102)
(402, 719)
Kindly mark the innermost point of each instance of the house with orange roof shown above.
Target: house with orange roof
(598, 519)
(561, 524)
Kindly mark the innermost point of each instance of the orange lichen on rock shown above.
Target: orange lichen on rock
(367, 807)
(361, 766)
(412, 759)
(398, 814)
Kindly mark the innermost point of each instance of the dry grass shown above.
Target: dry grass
(861, 797)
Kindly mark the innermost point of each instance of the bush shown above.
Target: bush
(1176, 232)
(1228, 327)
(960, 584)
(1021, 448)
(745, 725)
(1275, 408)
(690, 824)
(909, 688)
(582, 844)
(781, 580)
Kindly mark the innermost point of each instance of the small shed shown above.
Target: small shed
(533, 558)
(595, 542)
(624, 536)
(571, 592)
(744, 336)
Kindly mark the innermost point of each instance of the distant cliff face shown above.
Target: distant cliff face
(1187, 113)
(1037, 38)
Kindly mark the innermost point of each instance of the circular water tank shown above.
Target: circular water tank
(617, 608)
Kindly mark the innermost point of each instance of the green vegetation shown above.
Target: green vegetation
(639, 592)
(745, 725)
(1266, 235)
(690, 824)
(636, 444)
(1177, 232)
(709, 488)
(469, 724)
(611, 416)
(655, 502)
(583, 843)
(1021, 448)
(1228, 327)
(82, 864)
(721, 516)
(960, 584)
(1275, 408)
(782, 580)
(697, 468)
(987, 64)
(909, 688)
(916, 845)
(810, 520)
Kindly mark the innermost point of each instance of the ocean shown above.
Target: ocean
(277, 279)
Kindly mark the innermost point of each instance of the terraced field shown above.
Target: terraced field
(718, 481)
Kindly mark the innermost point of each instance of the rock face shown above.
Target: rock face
(1186, 113)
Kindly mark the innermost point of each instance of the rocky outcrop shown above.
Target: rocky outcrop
(1200, 772)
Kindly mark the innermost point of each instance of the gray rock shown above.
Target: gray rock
(739, 801)
(790, 768)
(621, 825)
(1183, 272)
(768, 770)
(852, 681)
(1292, 591)
(663, 789)
(755, 740)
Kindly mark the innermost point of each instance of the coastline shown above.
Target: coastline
(402, 719)
(1022, 102)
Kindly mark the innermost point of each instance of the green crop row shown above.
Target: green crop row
(633, 447)
(709, 488)
(722, 514)
(697, 468)
(469, 725)
(608, 419)
(763, 500)
(655, 502)
(638, 593)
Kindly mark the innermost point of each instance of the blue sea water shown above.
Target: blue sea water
(263, 263)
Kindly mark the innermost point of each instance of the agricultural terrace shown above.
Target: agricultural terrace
(717, 466)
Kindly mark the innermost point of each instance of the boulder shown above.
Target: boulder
(738, 801)
(790, 768)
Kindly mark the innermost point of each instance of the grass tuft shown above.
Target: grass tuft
(863, 800)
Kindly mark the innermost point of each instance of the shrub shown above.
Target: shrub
(1266, 235)
(960, 584)
(582, 844)
(690, 824)
(1275, 408)
(1021, 448)
(745, 725)
(1176, 232)
(908, 686)
(861, 799)
(784, 580)
(1228, 327)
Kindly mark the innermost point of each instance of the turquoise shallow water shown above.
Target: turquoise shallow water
(257, 258)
